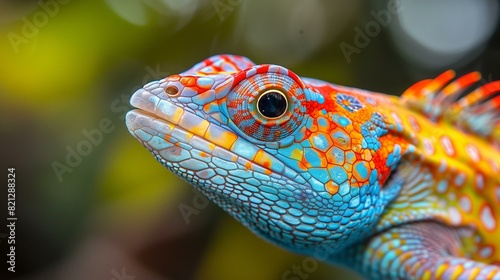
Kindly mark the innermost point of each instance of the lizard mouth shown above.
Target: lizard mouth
(175, 134)
(159, 123)
(149, 104)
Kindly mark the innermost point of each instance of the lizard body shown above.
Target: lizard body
(392, 187)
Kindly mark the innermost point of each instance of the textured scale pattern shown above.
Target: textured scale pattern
(395, 188)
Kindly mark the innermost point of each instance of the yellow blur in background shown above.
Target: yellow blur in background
(91, 203)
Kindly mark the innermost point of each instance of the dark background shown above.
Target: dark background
(68, 68)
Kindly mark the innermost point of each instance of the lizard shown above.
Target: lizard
(392, 187)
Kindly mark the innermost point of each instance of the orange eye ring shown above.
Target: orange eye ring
(266, 106)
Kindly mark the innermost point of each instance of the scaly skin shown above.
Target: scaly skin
(398, 188)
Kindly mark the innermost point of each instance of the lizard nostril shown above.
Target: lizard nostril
(171, 91)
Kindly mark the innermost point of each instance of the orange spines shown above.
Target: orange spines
(480, 94)
(453, 90)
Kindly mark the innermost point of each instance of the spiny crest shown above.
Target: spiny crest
(477, 112)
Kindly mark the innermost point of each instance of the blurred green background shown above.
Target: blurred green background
(92, 203)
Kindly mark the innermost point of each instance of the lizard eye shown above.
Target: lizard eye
(272, 104)
(267, 105)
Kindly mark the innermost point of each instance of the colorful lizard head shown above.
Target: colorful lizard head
(292, 159)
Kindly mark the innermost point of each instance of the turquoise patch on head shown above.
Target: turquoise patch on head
(320, 142)
(390, 159)
(322, 122)
(339, 155)
(143, 135)
(361, 169)
(338, 174)
(373, 176)
(313, 157)
(204, 82)
(351, 157)
(344, 189)
(343, 121)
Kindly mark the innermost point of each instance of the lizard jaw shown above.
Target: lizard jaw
(198, 132)
(175, 135)
(160, 124)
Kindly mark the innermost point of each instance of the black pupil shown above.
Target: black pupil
(272, 104)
